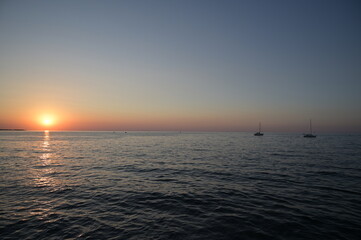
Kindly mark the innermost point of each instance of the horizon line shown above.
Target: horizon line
(178, 131)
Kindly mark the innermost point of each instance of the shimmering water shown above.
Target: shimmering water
(157, 185)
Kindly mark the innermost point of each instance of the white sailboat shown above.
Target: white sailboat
(259, 131)
(310, 135)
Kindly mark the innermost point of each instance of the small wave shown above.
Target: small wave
(187, 186)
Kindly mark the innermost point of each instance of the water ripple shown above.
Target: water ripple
(104, 185)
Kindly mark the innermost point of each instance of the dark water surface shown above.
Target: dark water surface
(155, 185)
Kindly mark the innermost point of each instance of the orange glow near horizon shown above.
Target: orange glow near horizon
(58, 118)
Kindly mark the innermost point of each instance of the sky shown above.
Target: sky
(190, 65)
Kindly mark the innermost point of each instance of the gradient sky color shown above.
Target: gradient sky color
(181, 65)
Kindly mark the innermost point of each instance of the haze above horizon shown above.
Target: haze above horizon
(181, 65)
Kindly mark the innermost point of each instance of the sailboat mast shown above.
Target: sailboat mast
(259, 127)
(310, 126)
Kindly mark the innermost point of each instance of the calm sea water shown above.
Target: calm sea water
(161, 185)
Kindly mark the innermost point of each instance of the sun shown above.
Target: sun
(47, 120)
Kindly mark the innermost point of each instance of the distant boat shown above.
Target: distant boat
(259, 131)
(309, 135)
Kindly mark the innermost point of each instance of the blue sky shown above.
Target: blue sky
(213, 65)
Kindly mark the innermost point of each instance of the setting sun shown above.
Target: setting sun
(47, 120)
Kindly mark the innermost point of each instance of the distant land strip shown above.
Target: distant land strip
(16, 129)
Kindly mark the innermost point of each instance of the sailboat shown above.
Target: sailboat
(259, 131)
(309, 135)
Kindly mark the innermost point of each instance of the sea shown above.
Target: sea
(179, 185)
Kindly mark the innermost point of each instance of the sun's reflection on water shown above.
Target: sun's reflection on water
(45, 169)
(45, 144)
(46, 157)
